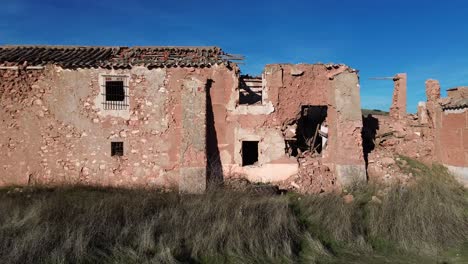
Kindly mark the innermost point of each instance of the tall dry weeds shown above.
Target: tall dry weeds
(89, 225)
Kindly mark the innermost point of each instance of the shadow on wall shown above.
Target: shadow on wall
(214, 168)
(370, 125)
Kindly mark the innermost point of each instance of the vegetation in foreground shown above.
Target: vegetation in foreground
(424, 223)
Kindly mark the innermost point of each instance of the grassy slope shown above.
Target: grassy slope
(425, 223)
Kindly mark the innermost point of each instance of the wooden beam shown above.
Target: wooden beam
(381, 78)
(16, 67)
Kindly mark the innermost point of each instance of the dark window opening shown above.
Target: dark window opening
(249, 152)
(117, 149)
(115, 91)
(311, 131)
(250, 90)
(115, 97)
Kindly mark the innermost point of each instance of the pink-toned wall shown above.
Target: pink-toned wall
(287, 87)
(181, 124)
(453, 138)
(398, 107)
(54, 130)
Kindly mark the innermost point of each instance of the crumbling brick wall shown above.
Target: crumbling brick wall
(450, 128)
(453, 138)
(398, 107)
(433, 95)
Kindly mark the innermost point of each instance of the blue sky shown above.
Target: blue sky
(425, 39)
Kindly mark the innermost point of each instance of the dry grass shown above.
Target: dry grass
(86, 225)
(425, 218)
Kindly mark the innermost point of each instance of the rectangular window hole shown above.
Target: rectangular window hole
(115, 94)
(249, 153)
(117, 149)
(115, 91)
(250, 90)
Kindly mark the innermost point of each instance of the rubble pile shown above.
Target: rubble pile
(313, 176)
(405, 137)
(393, 138)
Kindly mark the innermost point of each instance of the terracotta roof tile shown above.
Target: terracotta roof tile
(116, 57)
(454, 103)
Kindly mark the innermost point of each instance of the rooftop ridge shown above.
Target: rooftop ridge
(70, 56)
(104, 46)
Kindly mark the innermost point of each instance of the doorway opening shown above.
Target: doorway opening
(249, 153)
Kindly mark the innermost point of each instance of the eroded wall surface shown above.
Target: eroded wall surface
(452, 142)
(286, 88)
(433, 95)
(449, 123)
(398, 107)
(55, 130)
(183, 126)
(348, 151)
(453, 137)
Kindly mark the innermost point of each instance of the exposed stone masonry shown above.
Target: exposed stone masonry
(398, 108)
(185, 123)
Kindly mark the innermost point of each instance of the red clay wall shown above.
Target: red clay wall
(453, 138)
(55, 131)
(287, 87)
(398, 107)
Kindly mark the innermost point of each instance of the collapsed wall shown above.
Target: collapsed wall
(399, 133)
(433, 95)
(438, 133)
(277, 123)
(398, 107)
(174, 117)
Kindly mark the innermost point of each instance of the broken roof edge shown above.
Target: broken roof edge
(77, 56)
(456, 88)
(329, 65)
(448, 103)
(103, 46)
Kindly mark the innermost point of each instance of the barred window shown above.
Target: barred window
(115, 93)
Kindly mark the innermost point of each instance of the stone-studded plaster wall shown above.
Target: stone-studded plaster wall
(54, 130)
(57, 132)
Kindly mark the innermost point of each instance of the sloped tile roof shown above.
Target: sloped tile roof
(112, 57)
(454, 103)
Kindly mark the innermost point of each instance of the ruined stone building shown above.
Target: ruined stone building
(174, 117)
(438, 133)
(448, 118)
